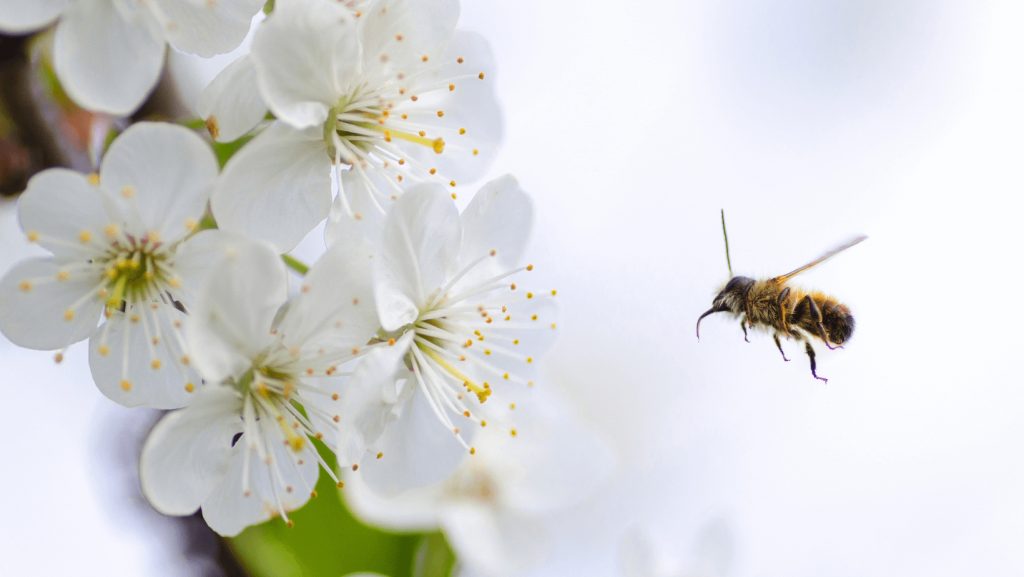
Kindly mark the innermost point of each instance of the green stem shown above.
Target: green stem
(295, 264)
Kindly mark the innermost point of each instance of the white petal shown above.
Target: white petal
(307, 56)
(424, 26)
(207, 28)
(418, 450)
(18, 16)
(499, 217)
(231, 321)
(231, 104)
(415, 510)
(420, 247)
(368, 401)
(563, 462)
(186, 454)
(132, 371)
(335, 309)
(37, 311)
(228, 510)
(276, 188)
(105, 62)
(472, 106)
(361, 205)
(60, 205)
(201, 255)
(493, 542)
(162, 174)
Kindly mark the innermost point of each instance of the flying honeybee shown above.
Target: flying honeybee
(788, 312)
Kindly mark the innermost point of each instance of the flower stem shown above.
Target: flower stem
(295, 264)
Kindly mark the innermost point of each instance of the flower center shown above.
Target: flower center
(362, 122)
(134, 269)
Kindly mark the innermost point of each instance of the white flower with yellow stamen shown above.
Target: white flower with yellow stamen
(460, 327)
(242, 450)
(388, 94)
(123, 249)
(108, 54)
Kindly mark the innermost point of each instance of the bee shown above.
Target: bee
(789, 312)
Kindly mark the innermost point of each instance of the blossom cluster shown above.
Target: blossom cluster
(401, 353)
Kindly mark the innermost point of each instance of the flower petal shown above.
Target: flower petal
(276, 188)
(368, 402)
(38, 311)
(163, 175)
(186, 454)
(401, 32)
(420, 247)
(335, 309)
(499, 217)
(231, 321)
(307, 55)
(65, 211)
(105, 62)
(414, 510)
(207, 28)
(493, 542)
(229, 509)
(361, 205)
(133, 371)
(201, 255)
(417, 450)
(231, 104)
(18, 16)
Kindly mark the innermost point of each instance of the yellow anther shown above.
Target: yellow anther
(103, 350)
(480, 76)
(155, 364)
(212, 127)
(440, 113)
(462, 131)
(472, 450)
(529, 360)
(451, 88)
(529, 295)
(126, 385)
(111, 230)
(127, 191)
(438, 146)
(424, 58)
(93, 178)
(32, 236)
(505, 376)
(297, 442)
(533, 317)
(380, 455)
(513, 433)
(511, 406)
(190, 387)
(460, 60)
(25, 286)
(451, 183)
(483, 423)
(391, 342)
(191, 224)
(84, 236)
(476, 152)
(69, 315)
(529, 267)
(554, 292)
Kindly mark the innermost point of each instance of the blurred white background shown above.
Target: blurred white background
(809, 121)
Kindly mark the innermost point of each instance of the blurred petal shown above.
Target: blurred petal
(414, 510)
(232, 104)
(307, 56)
(230, 324)
(19, 16)
(186, 454)
(493, 543)
(163, 175)
(420, 245)
(105, 62)
(424, 26)
(276, 188)
(38, 311)
(207, 28)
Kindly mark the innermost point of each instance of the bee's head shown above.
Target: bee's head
(731, 298)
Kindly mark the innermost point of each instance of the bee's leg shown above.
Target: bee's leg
(814, 365)
(743, 325)
(778, 343)
(782, 309)
(816, 319)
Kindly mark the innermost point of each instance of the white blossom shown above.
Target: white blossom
(387, 94)
(460, 329)
(496, 509)
(108, 54)
(242, 449)
(124, 249)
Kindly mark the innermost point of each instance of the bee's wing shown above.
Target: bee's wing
(853, 241)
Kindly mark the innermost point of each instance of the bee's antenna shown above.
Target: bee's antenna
(726, 237)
